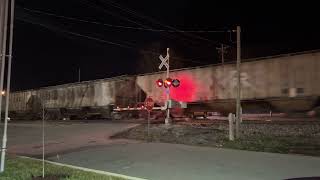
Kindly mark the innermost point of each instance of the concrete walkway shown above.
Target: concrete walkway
(161, 161)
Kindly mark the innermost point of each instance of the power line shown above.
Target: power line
(123, 27)
(129, 20)
(104, 41)
(117, 5)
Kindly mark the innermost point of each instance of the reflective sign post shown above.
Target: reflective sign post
(148, 124)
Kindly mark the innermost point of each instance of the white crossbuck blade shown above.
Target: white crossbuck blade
(163, 61)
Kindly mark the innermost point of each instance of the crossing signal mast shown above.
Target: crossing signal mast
(167, 82)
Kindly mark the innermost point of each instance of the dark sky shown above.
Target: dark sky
(49, 50)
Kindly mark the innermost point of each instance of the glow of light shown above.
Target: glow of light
(3, 92)
(187, 89)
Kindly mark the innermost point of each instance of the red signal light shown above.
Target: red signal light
(160, 82)
(167, 82)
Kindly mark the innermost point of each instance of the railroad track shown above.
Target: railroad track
(206, 122)
(286, 121)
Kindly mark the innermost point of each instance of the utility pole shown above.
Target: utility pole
(79, 74)
(43, 119)
(4, 139)
(238, 83)
(4, 45)
(222, 51)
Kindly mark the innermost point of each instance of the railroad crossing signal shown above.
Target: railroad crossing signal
(165, 62)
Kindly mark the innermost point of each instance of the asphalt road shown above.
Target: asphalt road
(88, 145)
(161, 161)
(60, 137)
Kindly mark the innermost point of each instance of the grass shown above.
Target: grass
(24, 169)
(281, 144)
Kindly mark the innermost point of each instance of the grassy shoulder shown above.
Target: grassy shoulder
(26, 169)
(277, 144)
(252, 140)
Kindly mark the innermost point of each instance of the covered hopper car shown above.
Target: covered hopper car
(283, 83)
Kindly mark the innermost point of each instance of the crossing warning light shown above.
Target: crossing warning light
(167, 82)
(175, 83)
(160, 82)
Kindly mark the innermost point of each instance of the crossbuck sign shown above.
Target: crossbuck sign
(164, 60)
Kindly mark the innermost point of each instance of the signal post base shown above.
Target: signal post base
(168, 121)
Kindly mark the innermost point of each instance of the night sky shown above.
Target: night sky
(48, 50)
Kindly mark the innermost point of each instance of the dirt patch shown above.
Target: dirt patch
(295, 139)
(176, 134)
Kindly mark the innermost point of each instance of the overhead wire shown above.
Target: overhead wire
(119, 26)
(117, 5)
(89, 3)
(102, 40)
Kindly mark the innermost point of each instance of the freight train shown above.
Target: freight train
(282, 83)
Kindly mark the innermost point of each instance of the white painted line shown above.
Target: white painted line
(87, 169)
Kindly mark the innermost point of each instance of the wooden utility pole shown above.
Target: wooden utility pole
(222, 51)
(238, 82)
(79, 74)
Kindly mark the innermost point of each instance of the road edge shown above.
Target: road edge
(86, 169)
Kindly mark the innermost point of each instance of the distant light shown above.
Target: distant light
(3, 92)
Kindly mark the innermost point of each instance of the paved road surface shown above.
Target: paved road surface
(26, 138)
(161, 161)
(88, 145)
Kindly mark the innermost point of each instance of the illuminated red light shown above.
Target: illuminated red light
(167, 82)
(160, 82)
